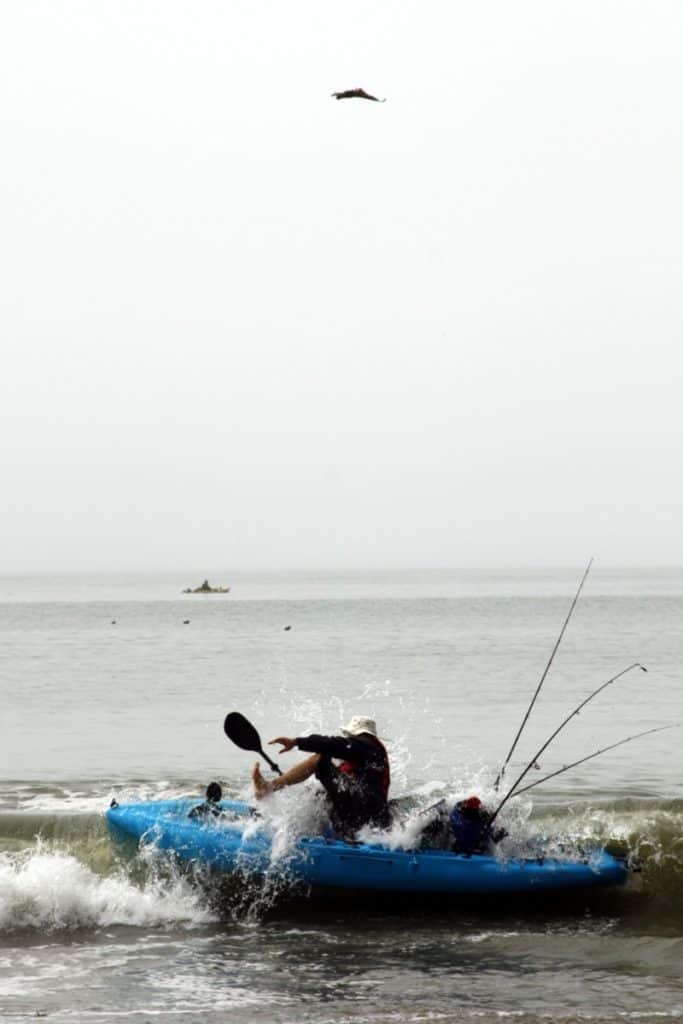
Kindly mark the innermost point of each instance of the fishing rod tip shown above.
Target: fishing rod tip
(642, 667)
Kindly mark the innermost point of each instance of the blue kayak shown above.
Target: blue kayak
(237, 840)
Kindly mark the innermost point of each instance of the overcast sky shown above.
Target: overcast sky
(246, 325)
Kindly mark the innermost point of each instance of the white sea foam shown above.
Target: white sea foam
(50, 890)
(86, 799)
(287, 816)
(298, 812)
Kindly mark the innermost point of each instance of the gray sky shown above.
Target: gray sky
(246, 325)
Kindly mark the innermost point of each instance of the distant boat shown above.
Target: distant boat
(359, 94)
(206, 588)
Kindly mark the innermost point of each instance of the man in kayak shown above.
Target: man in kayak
(357, 789)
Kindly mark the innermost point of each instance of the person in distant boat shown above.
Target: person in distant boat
(358, 94)
(357, 788)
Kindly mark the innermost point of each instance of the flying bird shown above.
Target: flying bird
(360, 94)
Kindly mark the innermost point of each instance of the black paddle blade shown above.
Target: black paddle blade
(243, 734)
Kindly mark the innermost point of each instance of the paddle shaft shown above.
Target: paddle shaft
(272, 764)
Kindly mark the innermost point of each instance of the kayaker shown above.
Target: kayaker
(358, 787)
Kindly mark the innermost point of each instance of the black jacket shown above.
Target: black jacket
(358, 798)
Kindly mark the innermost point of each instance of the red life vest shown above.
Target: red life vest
(354, 770)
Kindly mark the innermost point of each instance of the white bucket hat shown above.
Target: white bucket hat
(359, 724)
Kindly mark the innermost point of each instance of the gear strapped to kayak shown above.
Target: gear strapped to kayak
(464, 829)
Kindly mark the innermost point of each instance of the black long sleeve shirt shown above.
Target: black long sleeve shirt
(358, 798)
(344, 748)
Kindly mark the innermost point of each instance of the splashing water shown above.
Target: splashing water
(49, 889)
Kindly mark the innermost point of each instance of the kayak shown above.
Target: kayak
(231, 837)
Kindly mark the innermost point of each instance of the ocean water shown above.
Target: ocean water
(117, 686)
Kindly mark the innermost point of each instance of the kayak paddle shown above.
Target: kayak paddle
(243, 734)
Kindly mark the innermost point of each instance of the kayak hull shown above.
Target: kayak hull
(237, 842)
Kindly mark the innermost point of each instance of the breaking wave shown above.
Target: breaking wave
(48, 889)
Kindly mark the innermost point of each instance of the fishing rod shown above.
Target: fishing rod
(534, 759)
(560, 771)
(501, 773)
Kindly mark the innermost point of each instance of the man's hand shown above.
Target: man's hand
(285, 742)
